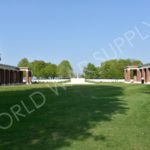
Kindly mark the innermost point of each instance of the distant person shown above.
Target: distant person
(142, 80)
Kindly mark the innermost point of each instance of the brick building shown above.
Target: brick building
(138, 73)
(14, 75)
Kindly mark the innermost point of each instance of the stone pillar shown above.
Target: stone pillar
(128, 75)
(143, 74)
(138, 75)
(27, 77)
(147, 75)
(145, 70)
(30, 77)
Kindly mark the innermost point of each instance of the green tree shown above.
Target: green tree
(65, 70)
(24, 63)
(90, 71)
(37, 67)
(113, 69)
(50, 71)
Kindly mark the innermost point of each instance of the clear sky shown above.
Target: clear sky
(78, 30)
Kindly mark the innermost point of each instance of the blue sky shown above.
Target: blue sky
(78, 30)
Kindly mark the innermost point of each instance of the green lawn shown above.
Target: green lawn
(93, 117)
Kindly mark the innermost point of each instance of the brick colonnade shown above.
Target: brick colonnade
(14, 75)
(10, 76)
(138, 74)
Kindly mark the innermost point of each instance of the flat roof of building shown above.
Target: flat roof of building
(145, 65)
(9, 67)
(131, 67)
(138, 67)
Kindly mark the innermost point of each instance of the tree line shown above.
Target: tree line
(42, 69)
(111, 69)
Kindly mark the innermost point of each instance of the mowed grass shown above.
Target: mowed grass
(92, 117)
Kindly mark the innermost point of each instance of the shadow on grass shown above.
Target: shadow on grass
(62, 119)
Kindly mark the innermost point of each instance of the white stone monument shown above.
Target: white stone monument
(78, 81)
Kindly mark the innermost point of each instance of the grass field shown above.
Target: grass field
(93, 117)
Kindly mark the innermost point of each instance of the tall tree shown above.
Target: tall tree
(37, 67)
(50, 71)
(90, 71)
(65, 70)
(24, 63)
(113, 69)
